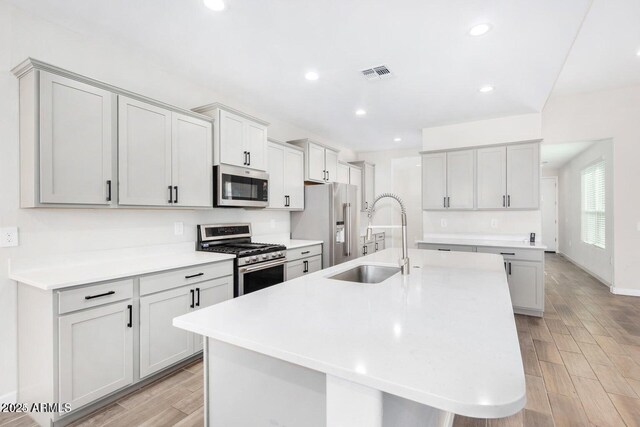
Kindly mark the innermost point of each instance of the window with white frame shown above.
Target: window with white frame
(593, 204)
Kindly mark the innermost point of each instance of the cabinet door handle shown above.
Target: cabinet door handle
(305, 269)
(170, 194)
(88, 297)
(376, 246)
(198, 296)
(245, 158)
(444, 202)
(108, 190)
(176, 189)
(509, 201)
(193, 275)
(249, 156)
(509, 269)
(130, 308)
(504, 203)
(328, 177)
(193, 299)
(505, 266)
(448, 201)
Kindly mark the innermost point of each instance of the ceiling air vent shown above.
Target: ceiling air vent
(377, 73)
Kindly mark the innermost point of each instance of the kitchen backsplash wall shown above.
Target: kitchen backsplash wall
(484, 222)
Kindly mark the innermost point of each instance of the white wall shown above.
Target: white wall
(45, 231)
(397, 171)
(602, 115)
(483, 132)
(596, 260)
(473, 134)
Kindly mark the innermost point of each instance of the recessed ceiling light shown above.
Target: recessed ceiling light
(486, 89)
(397, 139)
(638, 53)
(311, 75)
(215, 5)
(360, 112)
(480, 29)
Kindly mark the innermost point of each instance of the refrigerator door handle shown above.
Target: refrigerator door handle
(347, 225)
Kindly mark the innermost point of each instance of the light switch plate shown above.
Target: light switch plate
(494, 223)
(9, 237)
(443, 223)
(178, 228)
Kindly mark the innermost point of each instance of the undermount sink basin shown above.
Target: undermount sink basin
(366, 274)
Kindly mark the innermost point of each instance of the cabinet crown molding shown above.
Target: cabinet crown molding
(284, 144)
(35, 64)
(209, 107)
(302, 140)
(477, 147)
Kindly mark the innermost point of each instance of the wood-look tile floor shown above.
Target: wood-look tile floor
(581, 361)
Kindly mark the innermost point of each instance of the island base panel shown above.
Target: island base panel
(244, 387)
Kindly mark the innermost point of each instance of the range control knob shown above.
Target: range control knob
(265, 256)
(254, 258)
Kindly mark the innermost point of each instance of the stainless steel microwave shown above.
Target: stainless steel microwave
(240, 187)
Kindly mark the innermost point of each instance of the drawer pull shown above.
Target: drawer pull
(444, 250)
(194, 275)
(508, 253)
(305, 252)
(100, 295)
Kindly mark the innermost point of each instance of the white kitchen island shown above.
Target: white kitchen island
(409, 351)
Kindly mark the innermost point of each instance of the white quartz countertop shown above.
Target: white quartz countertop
(444, 336)
(62, 271)
(482, 241)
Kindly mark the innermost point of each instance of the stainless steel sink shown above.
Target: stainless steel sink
(366, 274)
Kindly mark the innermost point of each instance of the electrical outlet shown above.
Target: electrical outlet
(494, 223)
(8, 237)
(443, 223)
(178, 228)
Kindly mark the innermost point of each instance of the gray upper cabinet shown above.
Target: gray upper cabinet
(434, 181)
(367, 183)
(67, 141)
(491, 181)
(144, 154)
(85, 143)
(239, 139)
(285, 165)
(192, 160)
(165, 158)
(494, 177)
(523, 176)
(76, 140)
(321, 163)
(343, 173)
(460, 179)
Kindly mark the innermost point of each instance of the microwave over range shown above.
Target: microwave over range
(240, 187)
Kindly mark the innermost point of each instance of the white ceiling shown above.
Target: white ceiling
(554, 156)
(260, 50)
(604, 55)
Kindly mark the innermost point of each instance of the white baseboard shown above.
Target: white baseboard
(10, 397)
(582, 267)
(627, 291)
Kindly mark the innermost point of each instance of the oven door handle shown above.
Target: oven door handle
(262, 266)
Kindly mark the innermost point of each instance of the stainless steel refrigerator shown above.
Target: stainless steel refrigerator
(331, 215)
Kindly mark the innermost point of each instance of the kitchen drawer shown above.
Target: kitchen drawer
(184, 276)
(94, 295)
(307, 251)
(378, 236)
(446, 248)
(510, 253)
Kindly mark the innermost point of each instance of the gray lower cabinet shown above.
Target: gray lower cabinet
(161, 344)
(301, 261)
(377, 243)
(83, 343)
(524, 269)
(96, 352)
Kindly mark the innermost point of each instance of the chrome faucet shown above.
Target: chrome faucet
(404, 261)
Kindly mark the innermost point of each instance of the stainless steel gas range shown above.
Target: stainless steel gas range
(257, 265)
